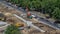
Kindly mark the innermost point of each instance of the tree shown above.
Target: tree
(16, 1)
(44, 6)
(56, 13)
(12, 30)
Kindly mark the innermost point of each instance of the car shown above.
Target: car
(3, 25)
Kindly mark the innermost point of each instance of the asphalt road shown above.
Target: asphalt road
(44, 21)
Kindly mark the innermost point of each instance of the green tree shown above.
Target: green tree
(56, 13)
(47, 6)
(16, 1)
(12, 30)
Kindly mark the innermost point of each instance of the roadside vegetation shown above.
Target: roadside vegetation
(50, 7)
(12, 30)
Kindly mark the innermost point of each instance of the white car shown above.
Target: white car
(3, 25)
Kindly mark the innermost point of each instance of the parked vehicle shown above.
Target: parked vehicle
(3, 25)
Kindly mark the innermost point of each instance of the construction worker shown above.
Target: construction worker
(28, 13)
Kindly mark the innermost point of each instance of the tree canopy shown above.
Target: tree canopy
(51, 7)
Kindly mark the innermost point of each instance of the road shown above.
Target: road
(44, 21)
(29, 23)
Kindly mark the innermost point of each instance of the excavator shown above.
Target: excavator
(19, 25)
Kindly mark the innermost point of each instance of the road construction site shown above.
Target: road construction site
(15, 16)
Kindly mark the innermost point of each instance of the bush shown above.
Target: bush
(12, 30)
